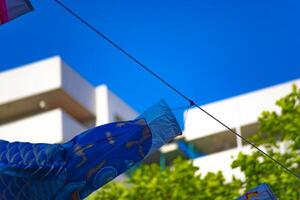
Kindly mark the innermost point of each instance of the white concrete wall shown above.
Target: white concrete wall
(78, 88)
(50, 127)
(30, 80)
(56, 125)
(70, 127)
(44, 76)
(102, 110)
(108, 105)
(221, 162)
(236, 111)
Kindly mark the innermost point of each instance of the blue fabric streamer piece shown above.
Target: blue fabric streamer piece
(261, 192)
(75, 169)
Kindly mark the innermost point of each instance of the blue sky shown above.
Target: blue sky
(209, 50)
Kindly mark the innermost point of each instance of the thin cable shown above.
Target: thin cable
(173, 88)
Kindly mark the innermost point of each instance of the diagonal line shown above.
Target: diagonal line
(173, 88)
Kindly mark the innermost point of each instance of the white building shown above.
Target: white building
(240, 113)
(48, 102)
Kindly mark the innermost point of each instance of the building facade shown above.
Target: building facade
(48, 102)
(210, 145)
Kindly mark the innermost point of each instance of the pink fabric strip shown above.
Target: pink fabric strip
(3, 12)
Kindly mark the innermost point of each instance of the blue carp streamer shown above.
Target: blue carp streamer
(75, 169)
(261, 192)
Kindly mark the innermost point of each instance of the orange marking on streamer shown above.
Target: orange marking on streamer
(251, 194)
(145, 136)
(79, 151)
(95, 169)
(75, 196)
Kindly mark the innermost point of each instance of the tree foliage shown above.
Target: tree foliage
(177, 182)
(276, 130)
(181, 181)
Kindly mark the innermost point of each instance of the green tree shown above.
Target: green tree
(177, 182)
(276, 128)
(180, 181)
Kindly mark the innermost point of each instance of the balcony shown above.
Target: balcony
(54, 126)
(43, 86)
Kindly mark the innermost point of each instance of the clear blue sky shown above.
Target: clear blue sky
(210, 50)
